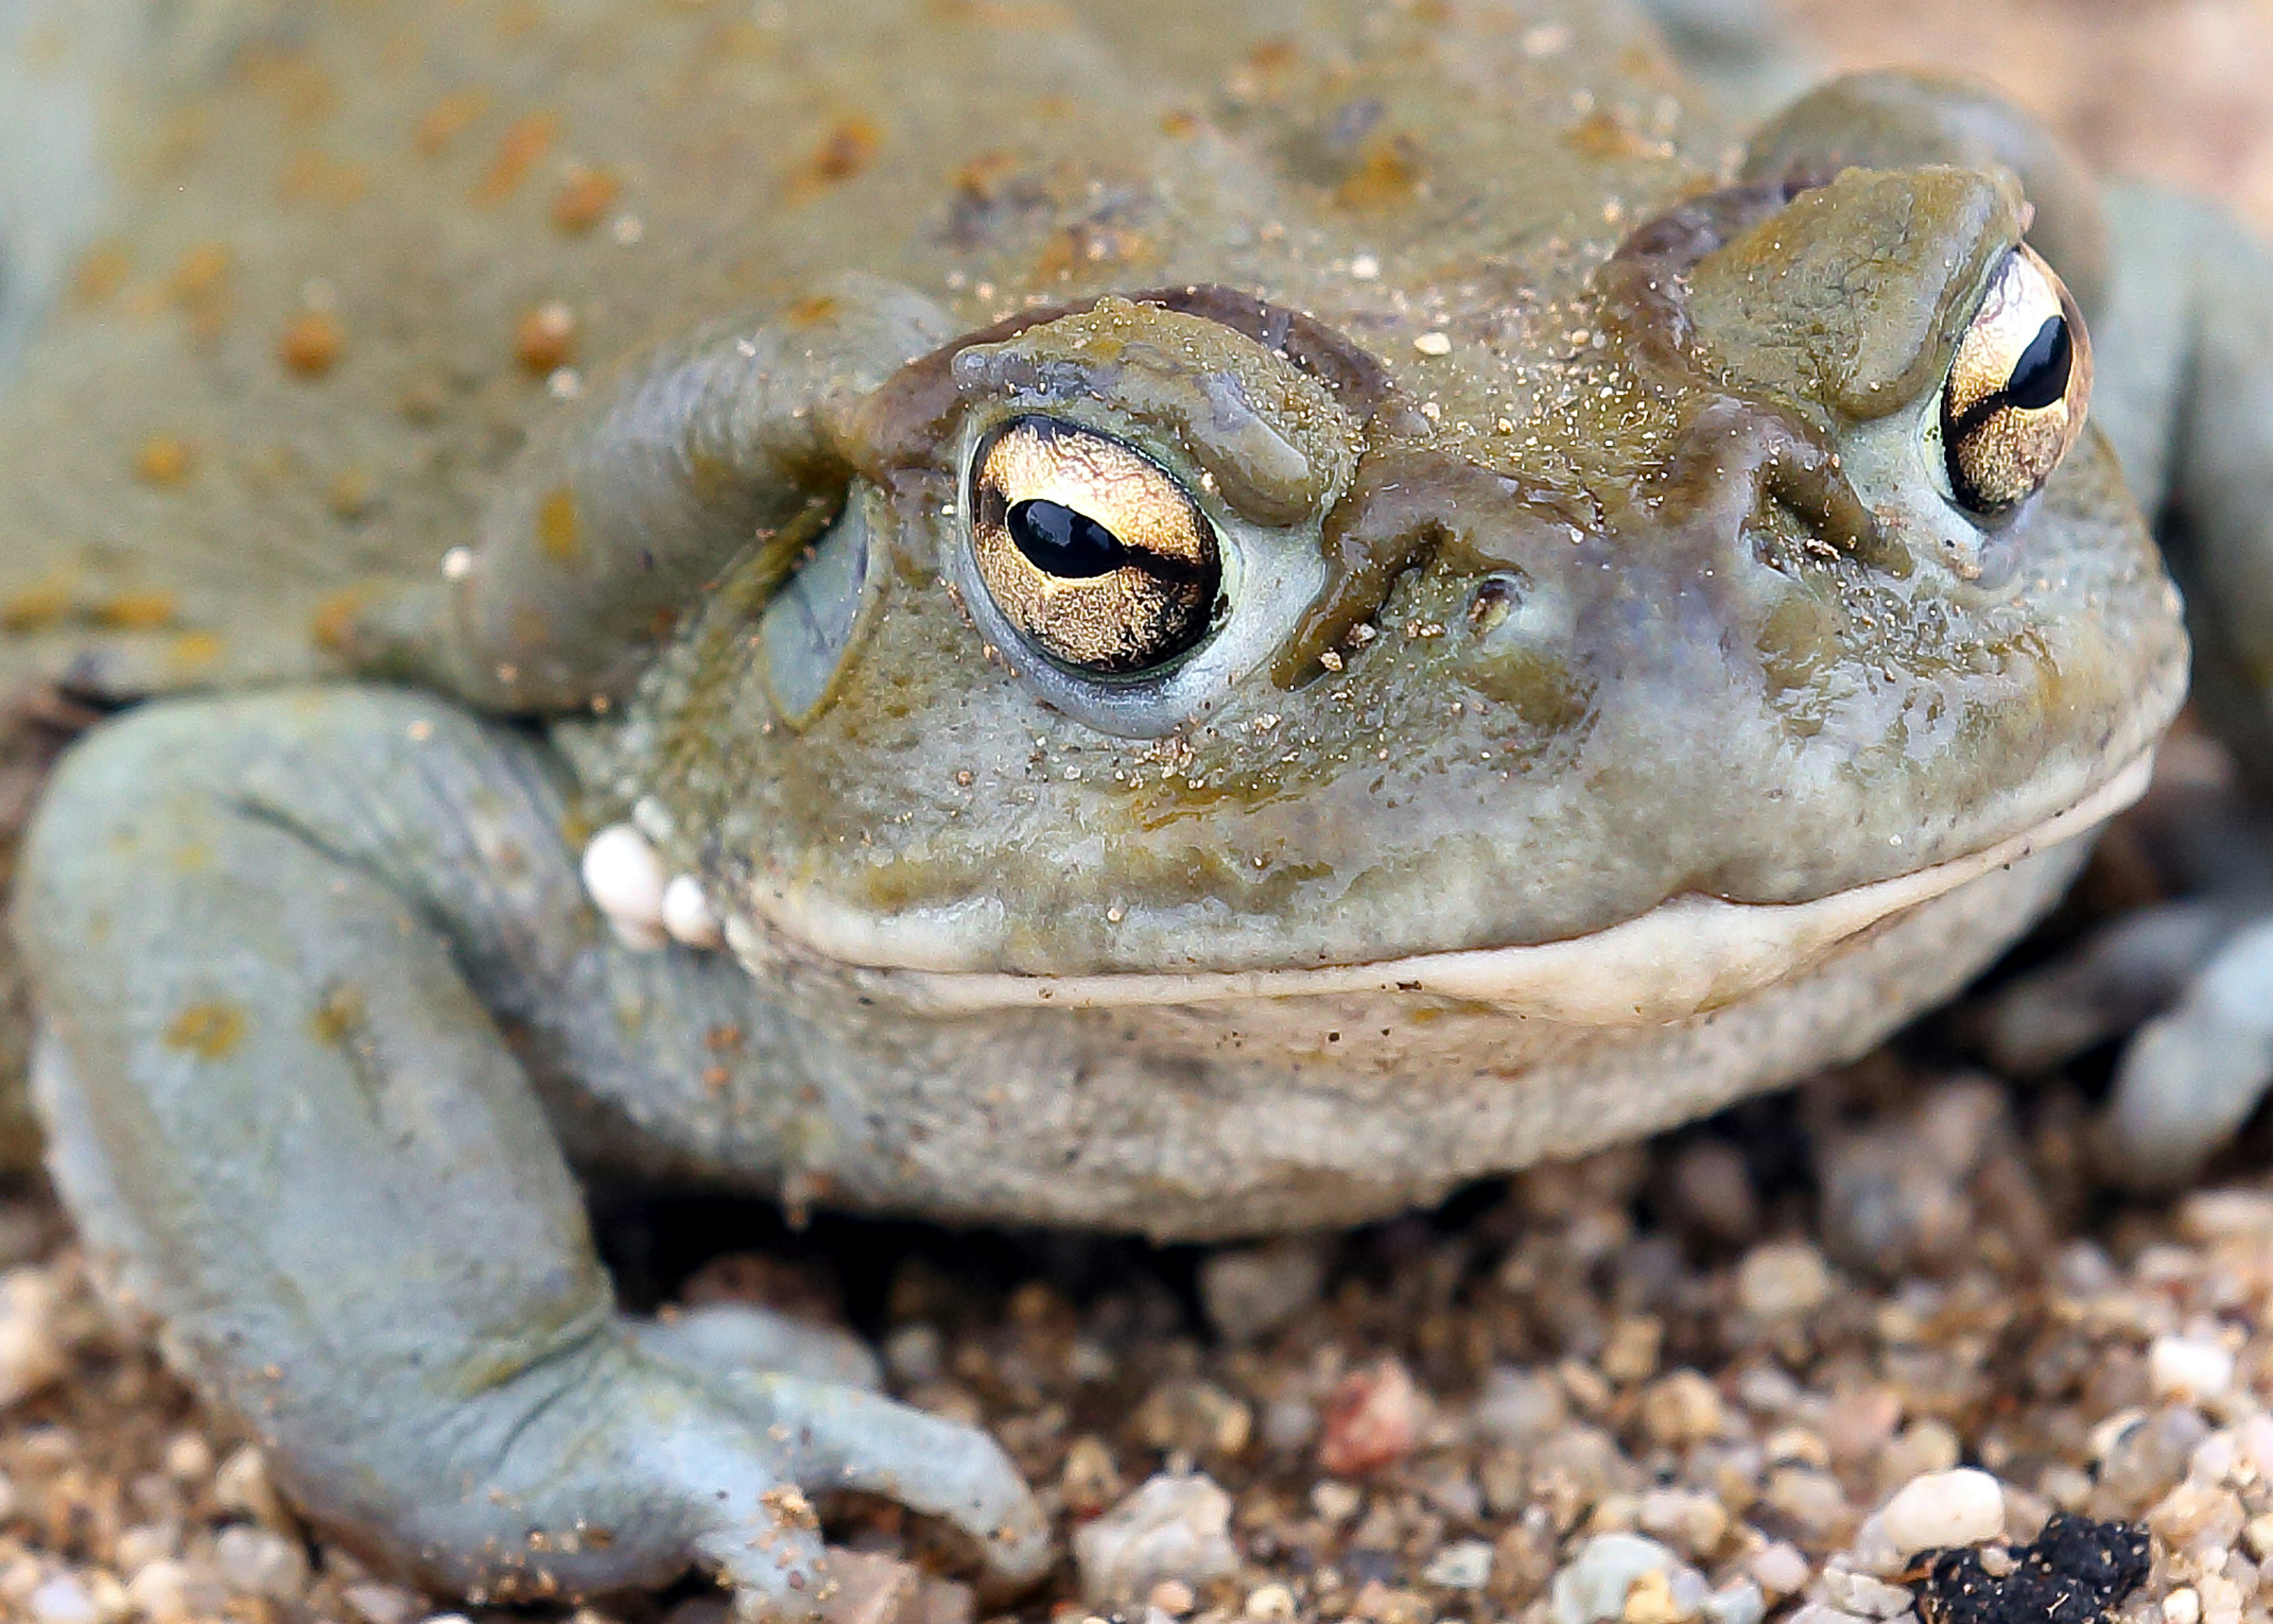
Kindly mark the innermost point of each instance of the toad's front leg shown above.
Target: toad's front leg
(279, 943)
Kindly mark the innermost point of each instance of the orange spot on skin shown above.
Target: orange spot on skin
(1387, 175)
(137, 611)
(202, 288)
(202, 271)
(584, 197)
(811, 312)
(194, 650)
(35, 607)
(526, 140)
(983, 178)
(558, 531)
(1086, 246)
(164, 459)
(210, 1030)
(1605, 134)
(101, 274)
(314, 177)
(847, 149)
(448, 119)
(334, 624)
(338, 1017)
(312, 343)
(352, 494)
(305, 90)
(545, 337)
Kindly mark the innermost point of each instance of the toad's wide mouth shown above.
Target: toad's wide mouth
(1687, 955)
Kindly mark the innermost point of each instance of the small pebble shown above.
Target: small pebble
(1592, 1589)
(1519, 1406)
(32, 1353)
(1335, 1502)
(1681, 1408)
(2182, 1605)
(1738, 1602)
(160, 1591)
(1251, 1291)
(383, 1603)
(1269, 1603)
(1781, 1279)
(64, 1600)
(1860, 1593)
(1463, 1565)
(1781, 1570)
(1944, 1509)
(1173, 1527)
(252, 1561)
(1172, 1596)
(1372, 1420)
(241, 1485)
(2191, 1368)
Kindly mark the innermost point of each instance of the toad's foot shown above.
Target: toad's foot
(281, 943)
(2193, 1076)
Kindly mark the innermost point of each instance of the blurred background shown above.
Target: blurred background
(2181, 90)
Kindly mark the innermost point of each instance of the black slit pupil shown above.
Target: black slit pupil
(2040, 376)
(1062, 542)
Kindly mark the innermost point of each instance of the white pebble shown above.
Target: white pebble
(189, 1457)
(1781, 1570)
(241, 1485)
(1873, 1551)
(1465, 1565)
(686, 913)
(2221, 1599)
(1520, 1406)
(31, 1354)
(2182, 1605)
(1781, 1278)
(2189, 1368)
(624, 879)
(1737, 1602)
(252, 1561)
(1171, 1528)
(1270, 1604)
(1433, 344)
(457, 563)
(1860, 1593)
(162, 1592)
(1591, 1588)
(382, 1604)
(64, 1599)
(1943, 1508)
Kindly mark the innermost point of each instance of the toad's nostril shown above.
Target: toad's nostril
(1495, 597)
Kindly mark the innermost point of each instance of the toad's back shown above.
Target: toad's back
(355, 253)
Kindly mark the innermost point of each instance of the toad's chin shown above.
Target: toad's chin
(1688, 956)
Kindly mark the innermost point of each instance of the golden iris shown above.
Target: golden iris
(1093, 551)
(2017, 389)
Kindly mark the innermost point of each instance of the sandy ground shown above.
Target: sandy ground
(1681, 1382)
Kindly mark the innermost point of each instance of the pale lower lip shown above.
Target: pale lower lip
(1688, 954)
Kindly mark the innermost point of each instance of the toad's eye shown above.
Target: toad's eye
(2017, 391)
(1092, 550)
